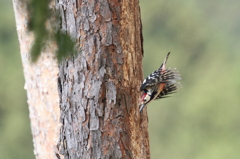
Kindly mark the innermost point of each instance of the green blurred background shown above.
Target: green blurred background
(201, 121)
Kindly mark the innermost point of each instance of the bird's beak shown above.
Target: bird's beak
(142, 106)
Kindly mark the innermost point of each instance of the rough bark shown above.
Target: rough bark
(99, 87)
(41, 86)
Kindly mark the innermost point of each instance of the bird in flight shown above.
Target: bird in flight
(159, 84)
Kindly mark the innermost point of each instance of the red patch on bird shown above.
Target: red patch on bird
(143, 96)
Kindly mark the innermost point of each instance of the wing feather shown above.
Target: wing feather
(160, 76)
(169, 89)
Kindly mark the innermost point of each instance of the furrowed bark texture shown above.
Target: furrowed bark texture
(99, 87)
(41, 86)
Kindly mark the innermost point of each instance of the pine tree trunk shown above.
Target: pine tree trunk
(99, 87)
(41, 86)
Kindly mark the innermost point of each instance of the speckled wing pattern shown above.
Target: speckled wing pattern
(151, 80)
(159, 76)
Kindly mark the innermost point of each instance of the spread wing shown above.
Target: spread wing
(169, 89)
(155, 77)
(160, 76)
(151, 80)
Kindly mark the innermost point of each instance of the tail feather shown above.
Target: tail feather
(163, 66)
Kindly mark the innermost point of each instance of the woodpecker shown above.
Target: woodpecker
(159, 84)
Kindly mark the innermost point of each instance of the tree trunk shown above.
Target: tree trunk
(99, 87)
(41, 86)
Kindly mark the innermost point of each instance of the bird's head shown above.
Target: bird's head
(145, 99)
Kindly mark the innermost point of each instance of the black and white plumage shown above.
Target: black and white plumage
(168, 89)
(159, 84)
